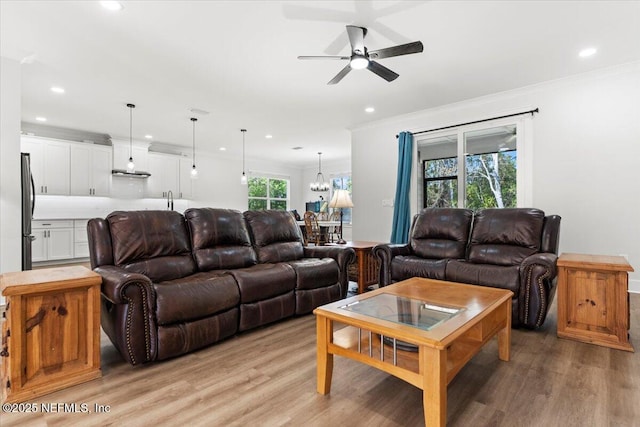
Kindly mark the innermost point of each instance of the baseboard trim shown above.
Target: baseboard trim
(634, 286)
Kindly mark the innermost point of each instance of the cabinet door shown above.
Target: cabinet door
(39, 245)
(36, 151)
(60, 243)
(101, 170)
(80, 171)
(56, 168)
(186, 181)
(155, 183)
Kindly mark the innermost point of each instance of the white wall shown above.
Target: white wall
(10, 196)
(585, 165)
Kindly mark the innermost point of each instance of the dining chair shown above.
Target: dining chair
(313, 230)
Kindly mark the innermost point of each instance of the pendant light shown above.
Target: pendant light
(243, 178)
(131, 166)
(194, 171)
(319, 184)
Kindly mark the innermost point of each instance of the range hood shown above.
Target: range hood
(124, 172)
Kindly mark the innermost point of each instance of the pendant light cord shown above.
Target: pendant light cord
(194, 120)
(131, 107)
(243, 133)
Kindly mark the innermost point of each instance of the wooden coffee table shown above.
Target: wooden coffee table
(447, 322)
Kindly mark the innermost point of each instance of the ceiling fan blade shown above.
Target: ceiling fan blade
(403, 49)
(324, 57)
(382, 71)
(356, 38)
(340, 75)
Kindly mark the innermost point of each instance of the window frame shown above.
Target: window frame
(268, 198)
(524, 160)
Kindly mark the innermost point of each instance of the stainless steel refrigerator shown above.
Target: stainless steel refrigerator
(28, 205)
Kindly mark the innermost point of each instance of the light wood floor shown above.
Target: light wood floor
(267, 378)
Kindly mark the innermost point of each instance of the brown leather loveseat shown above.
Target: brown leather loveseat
(174, 283)
(514, 249)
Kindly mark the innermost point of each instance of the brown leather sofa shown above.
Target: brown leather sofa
(174, 283)
(514, 249)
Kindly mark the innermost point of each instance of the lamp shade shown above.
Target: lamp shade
(341, 199)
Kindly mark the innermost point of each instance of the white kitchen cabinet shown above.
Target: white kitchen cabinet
(54, 240)
(165, 175)
(186, 181)
(81, 240)
(50, 165)
(90, 170)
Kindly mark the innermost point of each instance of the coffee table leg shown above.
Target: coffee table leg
(324, 333)
(504, 336)
(433, 366)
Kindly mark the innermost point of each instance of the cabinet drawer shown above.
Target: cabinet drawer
(56, 223)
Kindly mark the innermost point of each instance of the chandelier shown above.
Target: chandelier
(319, 184)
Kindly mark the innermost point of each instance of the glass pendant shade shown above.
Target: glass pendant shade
(320, 184)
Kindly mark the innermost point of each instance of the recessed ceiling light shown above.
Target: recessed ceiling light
(223, 148)
(369, 109)
(57, 89)
(41, 119)
(268, 136)
(585, 53)
(149, 136)
(111, 5)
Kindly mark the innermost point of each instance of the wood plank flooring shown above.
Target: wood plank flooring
(267, 378)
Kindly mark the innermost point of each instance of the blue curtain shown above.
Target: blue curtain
(402, 209)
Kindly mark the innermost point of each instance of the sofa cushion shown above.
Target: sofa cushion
(313, 273)
(404, 267)
(219, 239)
(194, 297)
(497, 276)
(275, 235)
(264, 281)
(441, 233)
(505, 236)
(153, 243)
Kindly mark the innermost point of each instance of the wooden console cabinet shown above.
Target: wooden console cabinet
(50, 331)
(593, 299)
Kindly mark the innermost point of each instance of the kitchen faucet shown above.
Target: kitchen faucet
(170, 200)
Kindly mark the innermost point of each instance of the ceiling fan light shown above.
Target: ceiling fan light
(358, 62)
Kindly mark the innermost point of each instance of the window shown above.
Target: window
(268, 193)
(343, 182)
(489, 177)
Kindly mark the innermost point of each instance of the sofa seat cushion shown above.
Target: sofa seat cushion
(313, 273)
(195, 297)
(497, 276)
(407, 266)
(264, 281)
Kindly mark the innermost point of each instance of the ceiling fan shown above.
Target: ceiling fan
(362, 58)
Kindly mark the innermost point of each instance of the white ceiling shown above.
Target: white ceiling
(237, 60)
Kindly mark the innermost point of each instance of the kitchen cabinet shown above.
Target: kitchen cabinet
(80, 238)
(186, 181)
(90, 171)
(54, 240)
(50, 165)
(165, 170)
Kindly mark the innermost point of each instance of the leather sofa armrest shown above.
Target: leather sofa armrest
(343, 256)
(128, 313)
(538, 276)
(385, 253)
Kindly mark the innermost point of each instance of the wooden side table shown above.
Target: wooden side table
(365, 269)
(51, 331)
(593, 299)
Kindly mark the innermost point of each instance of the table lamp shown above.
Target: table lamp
(341, 199)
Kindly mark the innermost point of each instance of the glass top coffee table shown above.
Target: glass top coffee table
(422, 331)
